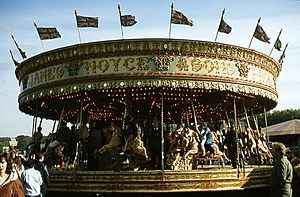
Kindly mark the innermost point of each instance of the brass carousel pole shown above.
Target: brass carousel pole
(266, 122)
(255, 122)
(61, 117)
(34, 121)
(237, 137)
(194, 114)
(227, 117)
(247, 118)
(162, 136)
(53, 128)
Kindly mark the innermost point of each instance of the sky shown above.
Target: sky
(153, 18)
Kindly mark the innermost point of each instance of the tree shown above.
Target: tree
(23, 141)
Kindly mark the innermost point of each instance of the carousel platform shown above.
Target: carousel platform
(206, 179)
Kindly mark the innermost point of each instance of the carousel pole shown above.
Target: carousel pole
(258, 134)
(247, 118)
(80, 112)
(33, 121)
(237, 137)
(266, 123)
(194, 113)
(227, 117)
(125, 112)
(53, 128)
(162, 136)
(187, 115)
(61, 117)
(255, 122)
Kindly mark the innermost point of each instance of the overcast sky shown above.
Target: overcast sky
(152, 22)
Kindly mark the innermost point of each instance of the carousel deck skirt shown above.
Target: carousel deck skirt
(207, 178)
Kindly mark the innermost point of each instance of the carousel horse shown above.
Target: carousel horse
(115, 141)
(183, 150)
(109, 155)
(58, 149)
(134, 148)
(266, 156)
(251, 145)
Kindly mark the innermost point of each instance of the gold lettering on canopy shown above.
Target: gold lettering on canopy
(116, 63)
(182, 64)
(163, 62)
(128, 63)
(142, 63)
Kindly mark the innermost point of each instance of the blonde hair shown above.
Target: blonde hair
(279, 147)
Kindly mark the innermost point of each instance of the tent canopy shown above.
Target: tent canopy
(290, 127)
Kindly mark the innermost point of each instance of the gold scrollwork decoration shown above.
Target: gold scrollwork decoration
(73, 68)
(243, 69)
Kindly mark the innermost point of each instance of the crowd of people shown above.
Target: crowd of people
(20, 178)
(135, 147)
(84, 145)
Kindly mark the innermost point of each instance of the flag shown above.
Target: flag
(86, 21)
(260, 34)
(278, 44)
(128, 20)
(283, 55)
(224, 27)
(23, 54)
(179, 18)
(47, 32)
(13, 59)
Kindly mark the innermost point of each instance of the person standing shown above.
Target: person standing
(37, 139)
(282, 172)
(32, 180)
(10, 184)
(43, 169)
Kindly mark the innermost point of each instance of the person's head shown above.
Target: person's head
(279, 149)
(18, 161)
(39, 129)
(30, 163)
(5, 164)
(40, 157)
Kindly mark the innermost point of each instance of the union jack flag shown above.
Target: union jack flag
(48, 33)
(179, 18)
(128, 20)
(86, 21)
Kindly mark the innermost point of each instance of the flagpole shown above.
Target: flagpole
(39, 35)
(223, 12)
(19, 49)
(119, 8)
(253, 33)
(13, 59)
(170, 28)
(77, 27)
(275, 43)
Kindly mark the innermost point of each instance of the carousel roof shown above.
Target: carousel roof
(101, 78)
(290, 127)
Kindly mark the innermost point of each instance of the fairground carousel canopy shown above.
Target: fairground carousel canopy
(103, 80)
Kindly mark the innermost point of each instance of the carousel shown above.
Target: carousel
(144, 102)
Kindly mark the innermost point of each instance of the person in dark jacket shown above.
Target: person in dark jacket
(282, 172)
(43, 169)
